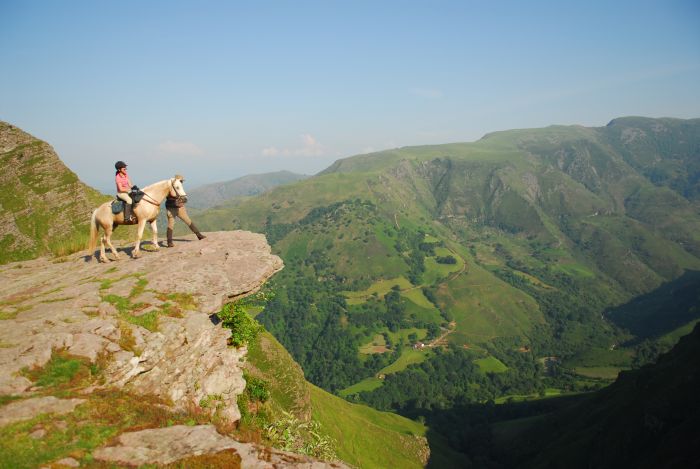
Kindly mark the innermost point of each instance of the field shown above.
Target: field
(602, 372)
(491, 365)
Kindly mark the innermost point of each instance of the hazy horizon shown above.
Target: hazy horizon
(220, 92)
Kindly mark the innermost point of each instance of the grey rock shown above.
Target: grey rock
(168, 445)
(88, 346)
(69, 462)
(38, 434)
(30, 408)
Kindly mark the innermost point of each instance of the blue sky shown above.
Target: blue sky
(217, 90)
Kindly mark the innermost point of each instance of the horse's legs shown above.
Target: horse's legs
(103, 255)
(154, 230)
(108, 238)
(137, 248)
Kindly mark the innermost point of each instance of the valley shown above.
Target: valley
(512, 256)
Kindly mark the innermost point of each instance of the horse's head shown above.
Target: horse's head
(176, 188)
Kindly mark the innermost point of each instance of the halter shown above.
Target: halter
(172, 186)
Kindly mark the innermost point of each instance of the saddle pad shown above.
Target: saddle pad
(117, 206)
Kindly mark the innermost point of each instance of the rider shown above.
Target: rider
(175, 207)
(123, 187)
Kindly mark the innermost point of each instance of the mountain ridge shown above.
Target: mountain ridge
(44, 207)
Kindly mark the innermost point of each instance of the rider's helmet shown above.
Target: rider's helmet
(119, 165)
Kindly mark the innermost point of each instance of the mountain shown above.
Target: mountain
(44, 207)
(510, 249)
(210, 195)
(648, 418)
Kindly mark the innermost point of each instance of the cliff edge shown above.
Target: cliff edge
(141, 329)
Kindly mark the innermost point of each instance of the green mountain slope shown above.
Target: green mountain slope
(44, 207)
(359, 435)
(519, 241)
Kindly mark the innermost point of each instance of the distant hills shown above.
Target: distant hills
(211, 195)
(547, 229)
(44, 207)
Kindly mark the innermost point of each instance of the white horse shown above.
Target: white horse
(146, 211)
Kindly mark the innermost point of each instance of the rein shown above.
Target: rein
(153, 201)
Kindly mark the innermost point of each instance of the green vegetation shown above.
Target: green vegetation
(140, 313)
(40, 223)
(491, 365)
(553, 233)
(312, 418)
(243, 327)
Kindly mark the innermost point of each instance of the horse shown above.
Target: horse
(146, 211)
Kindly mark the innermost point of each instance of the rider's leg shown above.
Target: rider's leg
(127, 206)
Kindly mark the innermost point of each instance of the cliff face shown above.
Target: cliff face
(43, 204)
(145, 324)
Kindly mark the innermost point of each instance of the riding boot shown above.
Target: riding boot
(170, 238)
(127, 213)
(196, 231)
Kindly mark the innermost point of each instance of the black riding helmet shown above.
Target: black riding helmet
(119, 165)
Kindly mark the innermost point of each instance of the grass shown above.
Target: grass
(367, 384)
(417, 297)
(64, 372)
(368, 438)
(377, 345)
(92, 424)
(363, 437)
(174, 304)
(434, 271)
(484, 307)
(380, 288)
(601, 372)
(491, 364)
(549, 392)
(105, 413)
(408, 357)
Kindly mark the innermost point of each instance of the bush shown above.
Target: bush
(446, 260)
(243, 327)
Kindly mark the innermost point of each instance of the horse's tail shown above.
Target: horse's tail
(93, 231)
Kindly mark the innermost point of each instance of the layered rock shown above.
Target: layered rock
(47, 305)
(167, 445)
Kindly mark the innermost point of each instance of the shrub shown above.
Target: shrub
(243, 327)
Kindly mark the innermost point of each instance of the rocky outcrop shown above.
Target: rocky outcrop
(149, 321)
(30, 408)
(167, 445)
(71, 305)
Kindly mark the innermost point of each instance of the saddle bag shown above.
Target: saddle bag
(117, 206)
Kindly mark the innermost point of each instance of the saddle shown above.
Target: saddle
(118, 205)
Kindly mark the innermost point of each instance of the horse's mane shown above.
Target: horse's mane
(151, 186)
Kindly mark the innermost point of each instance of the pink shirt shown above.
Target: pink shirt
(122, 180)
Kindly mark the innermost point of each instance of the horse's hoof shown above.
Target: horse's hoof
(101, 260)
(136, 256)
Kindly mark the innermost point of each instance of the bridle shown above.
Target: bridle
(172, 186)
